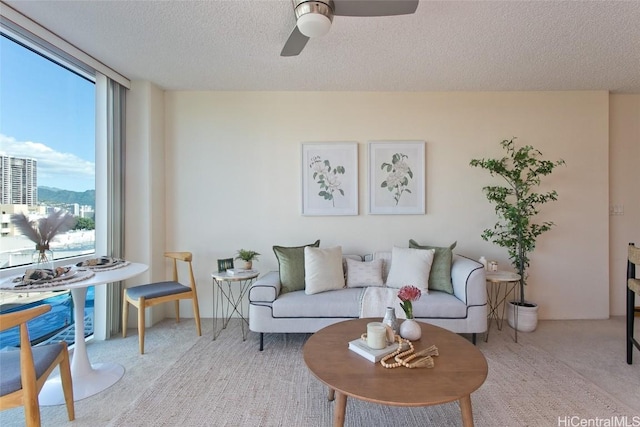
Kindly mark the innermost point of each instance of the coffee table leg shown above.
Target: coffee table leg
(331, 395)
(339, 409)
(465, 408)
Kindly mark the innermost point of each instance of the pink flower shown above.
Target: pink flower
(406, 295)
(409, 293)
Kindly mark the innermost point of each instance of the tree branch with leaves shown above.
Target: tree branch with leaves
(517, 202)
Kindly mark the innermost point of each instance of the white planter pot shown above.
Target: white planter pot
(527, 316)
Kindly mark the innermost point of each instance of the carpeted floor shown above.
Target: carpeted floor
(565, 369)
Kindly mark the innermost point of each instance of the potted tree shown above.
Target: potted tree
(248, 257)
(516, 204)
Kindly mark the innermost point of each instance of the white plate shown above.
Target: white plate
(100, 262)
(17, 285)
(65, 276)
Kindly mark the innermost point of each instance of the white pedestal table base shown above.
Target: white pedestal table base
(99, 378)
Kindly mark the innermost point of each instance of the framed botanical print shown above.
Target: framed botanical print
(329, 178)
(397, 177)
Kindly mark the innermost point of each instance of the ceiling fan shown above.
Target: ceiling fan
(314, 17)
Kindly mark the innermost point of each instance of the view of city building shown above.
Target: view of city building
(19, 190)
(18, 181)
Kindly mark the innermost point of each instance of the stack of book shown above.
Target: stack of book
(359, 346)
(239, 271)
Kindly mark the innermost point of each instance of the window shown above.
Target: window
(47, 162)
(47, 135)
(108, 115)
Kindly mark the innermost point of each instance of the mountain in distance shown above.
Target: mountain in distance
(57, 196)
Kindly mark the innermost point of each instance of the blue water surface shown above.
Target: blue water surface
(60, 316)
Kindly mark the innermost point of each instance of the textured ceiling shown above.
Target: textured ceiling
(444, 46)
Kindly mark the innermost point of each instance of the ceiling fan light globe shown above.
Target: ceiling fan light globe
(314, 24)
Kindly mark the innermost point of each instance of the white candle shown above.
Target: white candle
(376, 335)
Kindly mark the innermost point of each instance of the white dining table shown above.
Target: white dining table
(88, 379)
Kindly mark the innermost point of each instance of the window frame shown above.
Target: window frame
(99, 87)
(109, 142)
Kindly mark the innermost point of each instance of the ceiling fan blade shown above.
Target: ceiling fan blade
(295, 43)
(374, 7)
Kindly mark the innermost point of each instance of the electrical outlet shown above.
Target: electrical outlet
(616, 209)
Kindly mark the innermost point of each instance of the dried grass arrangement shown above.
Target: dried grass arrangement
(43, 230)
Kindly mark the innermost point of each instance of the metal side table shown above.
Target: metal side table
(227, 303)
(500, 284)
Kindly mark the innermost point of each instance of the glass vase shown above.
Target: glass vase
(42, 258)
(391, 320)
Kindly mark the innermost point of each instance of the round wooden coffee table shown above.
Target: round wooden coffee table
(459, 370)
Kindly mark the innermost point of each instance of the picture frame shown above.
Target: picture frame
(225, 264)
(329, 178)
(396, 177)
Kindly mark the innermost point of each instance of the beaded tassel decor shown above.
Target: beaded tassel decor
(409, 358)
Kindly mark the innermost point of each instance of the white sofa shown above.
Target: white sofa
(464, 311)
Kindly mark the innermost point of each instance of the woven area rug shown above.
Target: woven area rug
(228, 382)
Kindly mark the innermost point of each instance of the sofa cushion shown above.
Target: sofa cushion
(440, 275)
(439, 305)
(341, 303)
(385, 257)
(291, 266)
(362, 274)
(410, 267)
(323, 269)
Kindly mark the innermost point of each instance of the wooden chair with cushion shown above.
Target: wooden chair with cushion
(152, 294)
(24, 371)
(633, 289)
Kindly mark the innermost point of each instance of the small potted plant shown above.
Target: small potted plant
(248, 257)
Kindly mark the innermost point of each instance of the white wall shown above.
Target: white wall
(233, 179)
(145, 222)
(624, 164)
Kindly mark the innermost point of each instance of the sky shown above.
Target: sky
(47, 113)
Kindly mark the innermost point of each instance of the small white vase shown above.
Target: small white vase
(410, 330)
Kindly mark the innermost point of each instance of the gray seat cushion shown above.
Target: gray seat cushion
(43, 356)
(156, 290)
(340, 303)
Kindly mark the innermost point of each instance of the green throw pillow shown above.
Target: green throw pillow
(291, 266)
(440, 275)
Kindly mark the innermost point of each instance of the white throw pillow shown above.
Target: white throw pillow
(362, 274)
(322, 269)
(410, 267)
